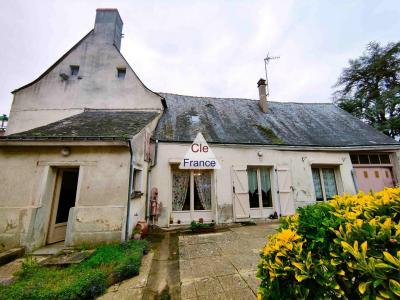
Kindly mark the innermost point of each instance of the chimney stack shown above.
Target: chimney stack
(262, 91)
(108, 26)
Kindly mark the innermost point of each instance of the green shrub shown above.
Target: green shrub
(195, 225)
(347, 248)
(82, 281)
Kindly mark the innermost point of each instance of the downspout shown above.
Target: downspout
(128, 213)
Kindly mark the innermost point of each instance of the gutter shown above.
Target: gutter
(128, 206)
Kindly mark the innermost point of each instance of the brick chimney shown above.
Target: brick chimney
(262, 91)
(108, 26)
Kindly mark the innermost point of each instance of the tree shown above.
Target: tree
(370, 88)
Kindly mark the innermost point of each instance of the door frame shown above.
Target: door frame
(274, 187)
(52, 226)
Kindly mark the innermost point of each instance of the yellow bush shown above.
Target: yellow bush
(346, 248)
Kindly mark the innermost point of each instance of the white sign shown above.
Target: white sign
(199, 156)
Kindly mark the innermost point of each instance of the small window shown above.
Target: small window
(324, 183)
(387, 173)
(74, 70)
(121, 72)
(374, 159)
(384, 158)
(137, 180)
(377, 174)
(366, 174)
(363, 158)
(354, 158)
(195, 119)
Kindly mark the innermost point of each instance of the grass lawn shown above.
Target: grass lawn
(86, 280)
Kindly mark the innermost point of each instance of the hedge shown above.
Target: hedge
(346, 248)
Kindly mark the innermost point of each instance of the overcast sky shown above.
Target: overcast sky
(204, 48)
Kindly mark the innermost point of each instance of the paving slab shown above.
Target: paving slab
(222, 265)
(67, 258)
(11, 254)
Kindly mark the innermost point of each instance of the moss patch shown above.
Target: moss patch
(82, 281)
(270, 134)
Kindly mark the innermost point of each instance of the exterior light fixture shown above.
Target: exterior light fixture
(65, 151)
(260, 154)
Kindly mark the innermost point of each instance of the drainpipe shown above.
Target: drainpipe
(128, 213)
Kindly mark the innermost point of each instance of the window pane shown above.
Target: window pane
(329, 183)
(317, 184)
(354, 158)
(121, 73)
(374, 158)
(180, 190)
(385, 158)
(265, 187)
(363, 159)
(74, 70)
(202, 190)
(253, 188)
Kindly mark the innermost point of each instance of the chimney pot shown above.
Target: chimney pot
(261, 82)
(262, 91)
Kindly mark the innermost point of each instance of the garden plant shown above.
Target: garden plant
(86, 280)
(346, 248)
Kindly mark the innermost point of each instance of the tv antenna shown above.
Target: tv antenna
(266, 62)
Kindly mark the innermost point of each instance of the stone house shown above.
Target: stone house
(87, 141)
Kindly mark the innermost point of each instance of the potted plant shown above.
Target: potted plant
(136, 234)
(198, 227)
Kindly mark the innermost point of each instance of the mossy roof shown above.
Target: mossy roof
(241, 121)
(92, 124)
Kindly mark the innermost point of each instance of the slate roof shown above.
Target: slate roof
(92, 124)
(240, 121)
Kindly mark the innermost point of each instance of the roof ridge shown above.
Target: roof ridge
(244, 99)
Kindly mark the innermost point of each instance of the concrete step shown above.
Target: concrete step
(10, 255)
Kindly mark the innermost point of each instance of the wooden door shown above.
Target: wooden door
(63, 199)
(241, 205)
(285, 194)
(373, 179)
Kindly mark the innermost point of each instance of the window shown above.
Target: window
(354, 158)
(370, 159)
(74, 70)
(137, 180)
(384, 158)
(259, 187)
(191, 189)
(324, 183)
(121, 72)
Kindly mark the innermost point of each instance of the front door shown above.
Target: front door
(63, 200)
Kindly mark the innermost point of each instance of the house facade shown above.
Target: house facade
(88, 146)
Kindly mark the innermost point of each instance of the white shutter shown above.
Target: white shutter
(241, 205)
(285, 193)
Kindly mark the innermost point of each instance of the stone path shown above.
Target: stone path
(222, 265)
